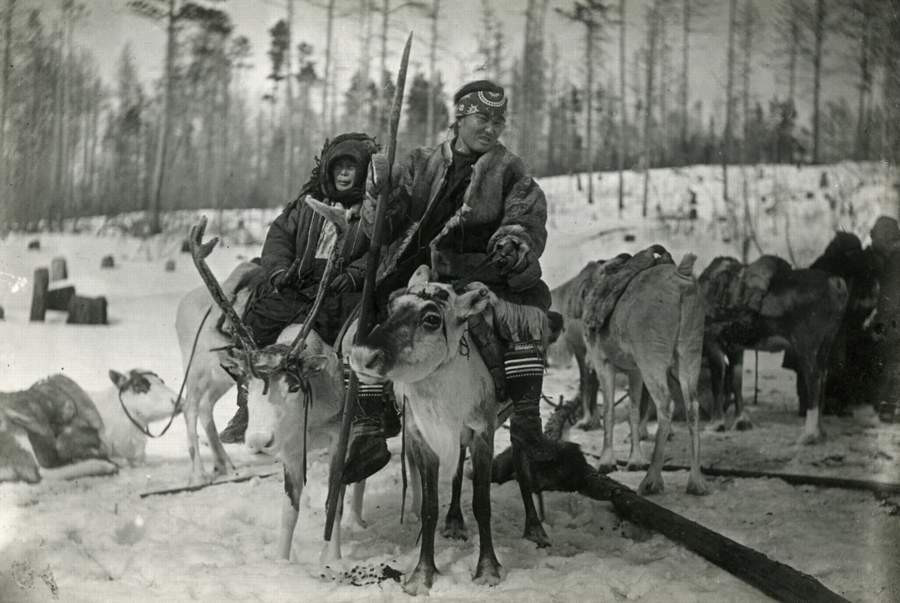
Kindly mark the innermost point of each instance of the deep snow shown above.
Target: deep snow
(96, 540)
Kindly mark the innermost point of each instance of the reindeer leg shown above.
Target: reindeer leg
(636, 459)
(741, 420)
(356, 506)
(223, 464)
(190, 419)
(290, 511)
(454, 525)
(658, 387)
(488, 569)
(421, 578)
(331, 551)
(718, 368)
(587, 392)
(688, 376)
(534, 531)
(607, 375)
(814, 380)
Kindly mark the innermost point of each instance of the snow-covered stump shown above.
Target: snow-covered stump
(773, 578)
(107, 262)
(170, 266)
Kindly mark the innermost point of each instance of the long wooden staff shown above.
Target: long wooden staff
(366, 315)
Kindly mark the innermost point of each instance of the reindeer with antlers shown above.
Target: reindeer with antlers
(300, 378)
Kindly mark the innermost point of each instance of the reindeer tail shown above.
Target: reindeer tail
(686, 267)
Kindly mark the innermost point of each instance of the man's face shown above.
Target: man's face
(344, 174)
(479, 133)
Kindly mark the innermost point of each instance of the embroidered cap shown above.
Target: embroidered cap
(482, 96)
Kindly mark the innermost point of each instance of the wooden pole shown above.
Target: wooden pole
(366, 315)
(773, 578)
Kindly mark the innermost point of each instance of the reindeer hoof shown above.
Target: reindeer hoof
(455, 529)
(811, 438)
(697, 486)
(420, 581)
(488, 572)
(536, 534)
(651, 485)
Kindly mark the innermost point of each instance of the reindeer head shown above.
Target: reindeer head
(144, 394)
(425, 325)
(279, 384)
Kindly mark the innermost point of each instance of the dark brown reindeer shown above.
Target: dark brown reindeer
(423, 348)
(767, 306)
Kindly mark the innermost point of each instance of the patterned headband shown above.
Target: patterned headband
(492, 104)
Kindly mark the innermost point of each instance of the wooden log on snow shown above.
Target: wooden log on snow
(796, 479)
(58, 269)
(775, 579)
(87, 310)
(59, 298)
(107, 262)
(39, 294)
(34, 245)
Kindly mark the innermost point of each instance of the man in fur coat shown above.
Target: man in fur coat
(469, 209)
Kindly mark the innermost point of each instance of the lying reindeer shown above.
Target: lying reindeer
(295, 390)
(423, 348)
(649, 325)
(767, 306)
(62, 425)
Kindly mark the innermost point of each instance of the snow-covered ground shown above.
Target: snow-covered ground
(96, 540)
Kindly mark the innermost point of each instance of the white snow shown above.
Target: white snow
(95, 540)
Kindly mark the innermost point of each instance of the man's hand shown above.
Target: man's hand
(510, 255)
(282, 278)
(342, 283)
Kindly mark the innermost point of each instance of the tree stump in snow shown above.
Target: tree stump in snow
(170, 265)
(185, 246)
(1, 313)
(87, 310)
(34, 244)
(39, 294)
(58, 270)
(58, 299)
(107, 262)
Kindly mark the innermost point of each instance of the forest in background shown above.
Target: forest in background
(72, 144)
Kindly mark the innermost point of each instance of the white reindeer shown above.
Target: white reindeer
(63, 426)
(295, 393)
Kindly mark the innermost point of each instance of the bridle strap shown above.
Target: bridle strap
(176, 408)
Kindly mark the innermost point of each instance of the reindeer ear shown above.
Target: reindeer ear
(117, 378)
(474, 301)
(233, 363)
(334, 214)
(420, 277)
(314, 364)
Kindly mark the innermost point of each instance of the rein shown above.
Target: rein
(176, 409)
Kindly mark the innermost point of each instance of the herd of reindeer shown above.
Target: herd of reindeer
(643, 315)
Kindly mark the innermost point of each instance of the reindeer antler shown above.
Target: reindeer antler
(199, 252)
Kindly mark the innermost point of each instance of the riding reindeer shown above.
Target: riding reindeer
(295, 393)
(424, 349)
